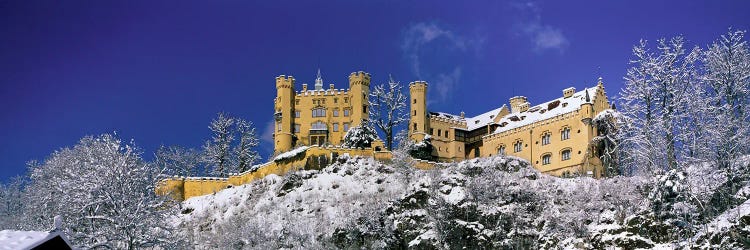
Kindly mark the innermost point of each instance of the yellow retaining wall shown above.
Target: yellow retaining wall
(181, 188)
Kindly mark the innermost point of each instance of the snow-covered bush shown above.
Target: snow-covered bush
(360, 136)
(423, 149)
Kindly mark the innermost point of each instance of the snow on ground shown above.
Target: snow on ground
(729, 218)
(510, 199)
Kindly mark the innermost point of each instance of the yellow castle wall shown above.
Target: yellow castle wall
(181, 188)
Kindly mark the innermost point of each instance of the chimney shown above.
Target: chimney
(516, 104)
(569, 92)
(304, 87)
(330, 86)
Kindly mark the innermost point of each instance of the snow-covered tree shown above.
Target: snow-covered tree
(608, 123)
(727, 73)
(104, 192)
(217, 150)
(12, 203)
(177, 160)
(655, 100)
(244, 152)
(387, 105)
(360, 136)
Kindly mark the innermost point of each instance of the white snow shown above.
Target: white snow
(729, 218)
(10, 239)
(540, 112)
(430, 235)
(483, 119)
(290, 154)
(534, 114)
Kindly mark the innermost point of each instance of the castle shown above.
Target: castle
(318, 116)
(554, 136)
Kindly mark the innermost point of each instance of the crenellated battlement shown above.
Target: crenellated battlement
(417, 84)
(283, 81)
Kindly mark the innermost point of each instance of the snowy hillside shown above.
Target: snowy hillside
(482, 203)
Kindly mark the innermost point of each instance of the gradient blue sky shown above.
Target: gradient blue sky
(157, 72)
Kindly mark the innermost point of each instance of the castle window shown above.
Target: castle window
(346, 127)
(346, 112)
(335, 100)
(545, 138)
(439, 132)
(446, 134)
(518, 146)
(415, 101)
(346, 99)
(319, 112)
(432, 131)
(319, 125)
(296, 102)
(565, 134)
(297, 114)
(296, 128)
(415, 113)
(546, 159)
(501, 150)
(335, 127)
(335, 112)
(565, 154)
(415, 127)
(364, 109)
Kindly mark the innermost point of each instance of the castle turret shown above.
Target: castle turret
(319, 81)
(359, 90)
(283, 112)
(418, 113)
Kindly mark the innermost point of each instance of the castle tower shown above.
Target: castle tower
(283, 114)
(418, 111)
(359, 90)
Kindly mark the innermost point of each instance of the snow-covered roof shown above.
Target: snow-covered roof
(533, 114)
(10, 239)
(482, 119)
(546, 110)
(446, 115)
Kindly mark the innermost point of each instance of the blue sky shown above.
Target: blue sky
(157, 72)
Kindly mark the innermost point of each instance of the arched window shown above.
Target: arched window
(517, 146)
(319, 125)
(565, 133)
(319, 112)
(546, 158)
(501, 150)
(545, 138)
(565, 154)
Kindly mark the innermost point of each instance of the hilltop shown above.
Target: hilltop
(497, 202)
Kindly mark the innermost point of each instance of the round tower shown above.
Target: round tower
(283, 113)
(418, 121)
(359, 91)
